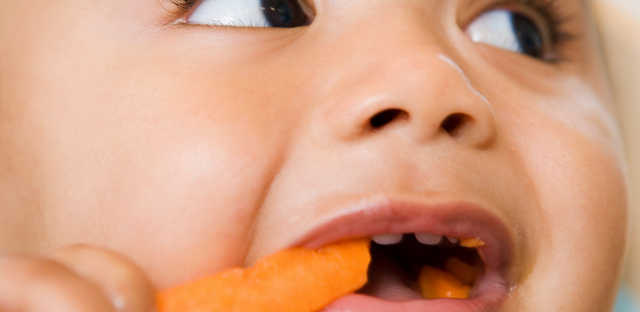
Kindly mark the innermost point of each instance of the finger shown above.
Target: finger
(124, 283)
(29, 284)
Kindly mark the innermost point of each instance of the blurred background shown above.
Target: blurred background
(619, 25)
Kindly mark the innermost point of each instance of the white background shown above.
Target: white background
(619, 26)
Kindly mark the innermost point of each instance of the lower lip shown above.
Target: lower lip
(362, 303)
(490, 295)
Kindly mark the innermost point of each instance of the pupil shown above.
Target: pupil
(528, 34)
(285, 16)
(283, 13)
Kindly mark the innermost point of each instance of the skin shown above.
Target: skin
(173, 152)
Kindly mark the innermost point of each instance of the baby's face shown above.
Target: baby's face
(194, 148)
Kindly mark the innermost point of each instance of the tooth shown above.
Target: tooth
(453, 240)
(387, 239)
(428, 238)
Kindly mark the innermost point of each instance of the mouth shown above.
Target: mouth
(442, 257)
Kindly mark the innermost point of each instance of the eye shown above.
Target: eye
(508, 30)
(254, 13)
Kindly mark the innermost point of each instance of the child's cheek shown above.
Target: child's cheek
(197, 199)
(181, 168)
(572, 153)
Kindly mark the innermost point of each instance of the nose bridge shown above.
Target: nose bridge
(419, 92)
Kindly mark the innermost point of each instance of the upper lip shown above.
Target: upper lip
(459, 219)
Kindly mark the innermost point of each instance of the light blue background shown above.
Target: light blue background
(626, 302)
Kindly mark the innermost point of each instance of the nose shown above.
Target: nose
(420, 95)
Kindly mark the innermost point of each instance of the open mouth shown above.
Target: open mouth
(417, 266)
(442, 257)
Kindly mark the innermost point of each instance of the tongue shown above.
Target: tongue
(389, 281)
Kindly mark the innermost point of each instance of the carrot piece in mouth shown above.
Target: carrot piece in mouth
(464, 272)
(435, 284)
(471, 243)
(295, 280)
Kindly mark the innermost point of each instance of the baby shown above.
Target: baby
(147, 143)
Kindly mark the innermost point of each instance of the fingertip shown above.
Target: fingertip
(123, 282)
(29, 283)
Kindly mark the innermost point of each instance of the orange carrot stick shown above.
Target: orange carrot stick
(295, 280)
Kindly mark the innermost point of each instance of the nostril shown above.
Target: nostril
(386, 117)
(456, 124)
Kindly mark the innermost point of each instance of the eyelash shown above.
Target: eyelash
(555, 19)
(183, 5)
